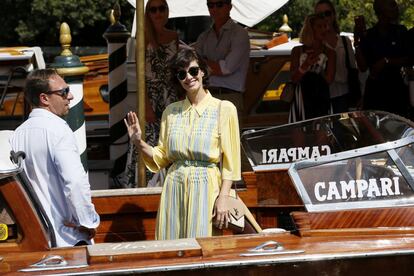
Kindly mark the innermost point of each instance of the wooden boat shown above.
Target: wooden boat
(268, 191)
(366, 227)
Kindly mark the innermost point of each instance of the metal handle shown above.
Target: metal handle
(51, 261)
(268, 246)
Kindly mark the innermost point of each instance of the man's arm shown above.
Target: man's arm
(239, 52)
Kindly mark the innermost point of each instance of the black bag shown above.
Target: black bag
(354, 85)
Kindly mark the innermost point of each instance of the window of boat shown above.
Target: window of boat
(361, 181)
(8, 229)
(277, 147)
(406, 154)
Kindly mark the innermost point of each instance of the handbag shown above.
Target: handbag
(236, 206)
(288, 92)
(354, 85)
(237, 212)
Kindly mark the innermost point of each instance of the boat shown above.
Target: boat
(357, 211)
(267, 190)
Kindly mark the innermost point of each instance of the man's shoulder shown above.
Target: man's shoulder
(236, 26)
(45, 123)
(205, 33)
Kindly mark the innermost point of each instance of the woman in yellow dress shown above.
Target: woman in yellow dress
(191, 147)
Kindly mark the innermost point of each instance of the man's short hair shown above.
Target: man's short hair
(37, 82)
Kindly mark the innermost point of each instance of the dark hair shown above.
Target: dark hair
(182, 60)
(37, 82)
(332, 7)
(377, 7)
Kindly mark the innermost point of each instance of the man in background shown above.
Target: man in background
(52, 162)
(226, 48)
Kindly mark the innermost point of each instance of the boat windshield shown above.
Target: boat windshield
(278, 147)
(376, 176)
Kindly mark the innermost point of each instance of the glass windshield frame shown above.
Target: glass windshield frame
(390, 148)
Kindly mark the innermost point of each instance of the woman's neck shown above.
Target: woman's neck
(197, 96)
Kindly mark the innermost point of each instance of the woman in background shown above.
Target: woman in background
(161, 46)
(338, 89)
(312, 69)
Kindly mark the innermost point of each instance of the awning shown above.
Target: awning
(246, 12)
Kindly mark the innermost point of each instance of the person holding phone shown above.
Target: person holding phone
(339, 88)
(312, 69)
(191, 146)
(382, 50)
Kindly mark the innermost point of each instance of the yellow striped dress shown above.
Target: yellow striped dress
(189, 145)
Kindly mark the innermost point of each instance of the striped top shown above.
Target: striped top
(189, 144)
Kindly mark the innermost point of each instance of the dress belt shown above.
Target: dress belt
(195, 163)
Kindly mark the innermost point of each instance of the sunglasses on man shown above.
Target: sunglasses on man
(324, 14)
(218, 4)
(64, 92)
(193, 71)
(160, 9)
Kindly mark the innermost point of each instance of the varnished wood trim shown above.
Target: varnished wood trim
(34, 236)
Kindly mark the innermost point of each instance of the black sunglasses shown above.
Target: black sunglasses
(154, 9)
(193, 71)
(324, 14)
(61, 92)
(218, 4)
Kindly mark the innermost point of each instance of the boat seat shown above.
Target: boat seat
(10, 161)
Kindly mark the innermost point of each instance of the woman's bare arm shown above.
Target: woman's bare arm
(135, 134)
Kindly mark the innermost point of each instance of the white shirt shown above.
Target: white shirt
(54, 168)
(339, 86)
(231, 49)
